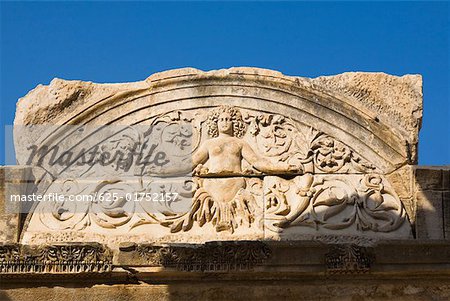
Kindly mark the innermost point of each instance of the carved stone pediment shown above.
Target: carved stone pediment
(250, 156)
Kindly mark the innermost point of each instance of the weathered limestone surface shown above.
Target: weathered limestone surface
(13, 180)
(300, 290)
(432, 188)
(303, 271)
(287, 187)
(396, 99)
(371, 111)
(337, 141)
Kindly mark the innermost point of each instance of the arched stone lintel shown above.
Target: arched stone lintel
(301, 99)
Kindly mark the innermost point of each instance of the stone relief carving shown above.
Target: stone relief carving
(63, 258)
(306, 148)
(227, 203)
(359, 202)
(209, 257)
(240, 160)
(330, 156)
(348, 259)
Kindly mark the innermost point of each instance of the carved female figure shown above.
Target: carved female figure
(222, 197)
(225, 151)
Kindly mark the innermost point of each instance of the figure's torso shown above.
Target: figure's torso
(225, 154)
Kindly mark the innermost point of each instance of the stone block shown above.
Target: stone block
(428, 178)
(446, 205)
(446, 179)
(13, 180)
(429, 220)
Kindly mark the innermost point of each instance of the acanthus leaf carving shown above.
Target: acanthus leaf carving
(232, 152)
(209, 257)
(58, 258)
(349, 259)
(337, 203)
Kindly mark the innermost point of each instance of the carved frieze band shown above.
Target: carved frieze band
(64, 258)
(349, 259)
(209, 257)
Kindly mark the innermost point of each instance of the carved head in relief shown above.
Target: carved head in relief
(226, 120)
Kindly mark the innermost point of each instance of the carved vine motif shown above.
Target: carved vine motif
(331, 156)
(177, 134)
(279, 137)
(91, 258)
(224, 256)
(220, 147)
(336, 204)
(273, 133)
(68, 214)
(348, 259)
(114, 203)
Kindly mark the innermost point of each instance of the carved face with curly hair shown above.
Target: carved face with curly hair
(225, 120)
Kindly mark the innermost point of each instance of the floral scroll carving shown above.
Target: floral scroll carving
(361, 202)
(62, 258)
(330, 156)
(232, 168)
(278, 137)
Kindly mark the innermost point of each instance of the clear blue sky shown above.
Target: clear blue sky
(121, 42)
